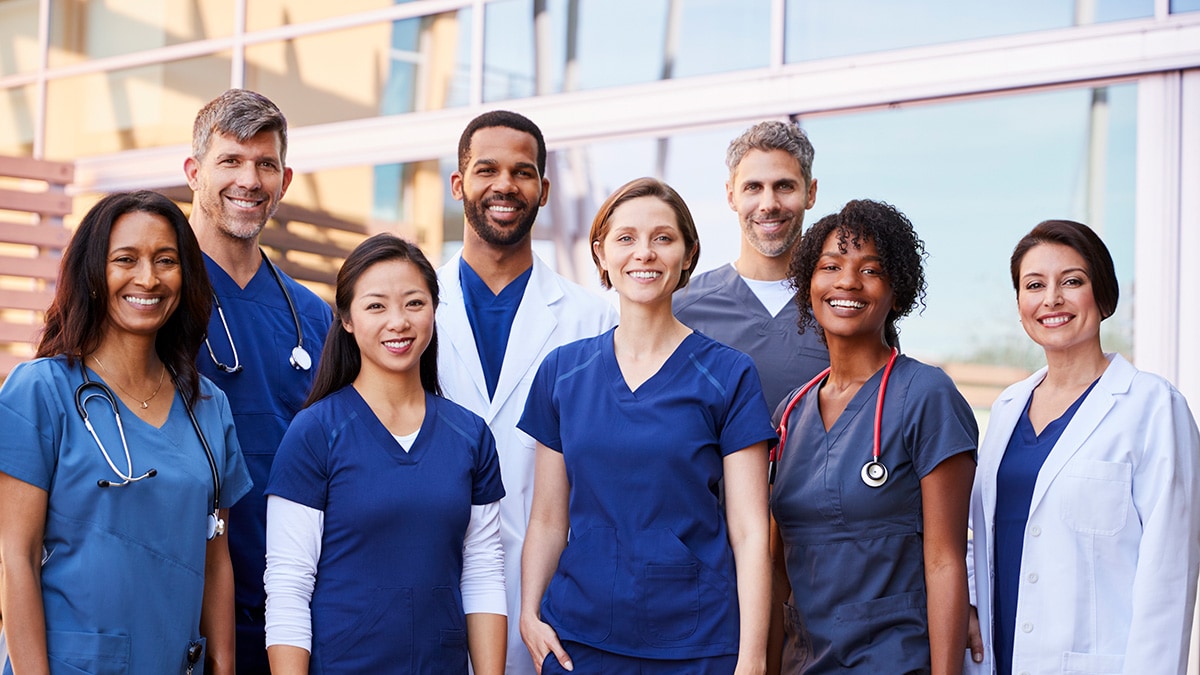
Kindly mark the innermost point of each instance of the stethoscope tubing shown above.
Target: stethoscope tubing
(877, 446)
(90, 389)
(299, 359)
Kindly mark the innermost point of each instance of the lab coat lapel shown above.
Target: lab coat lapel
(532, 327)
(1001, 425)
(455, 332)
(1115, 381)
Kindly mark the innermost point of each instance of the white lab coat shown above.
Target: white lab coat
(1111, 549)
(553, 312)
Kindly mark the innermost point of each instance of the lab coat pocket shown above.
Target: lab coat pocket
(1076, 663)
(1094, 496)
(96, 653)
(580, 595)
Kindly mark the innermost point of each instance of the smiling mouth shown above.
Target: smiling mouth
(1056, 320)
(398, 344)
(142, 302)
(846, 304)
(646, 275)
(245, 203)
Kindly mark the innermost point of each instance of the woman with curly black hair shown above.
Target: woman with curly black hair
(870, 499)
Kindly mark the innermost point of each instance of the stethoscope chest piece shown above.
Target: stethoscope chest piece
(300, 359)
(874, 474)
(216, 526)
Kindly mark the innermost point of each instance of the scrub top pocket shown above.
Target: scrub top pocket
(391, 605)
(580, 595)
(96, 653)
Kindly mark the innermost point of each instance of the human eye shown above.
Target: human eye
(123, 259)
(415, 303)
(752, 187)
(167, 261)
(1033, 286)
(268, 164)
(786, 187)
(1073, 282)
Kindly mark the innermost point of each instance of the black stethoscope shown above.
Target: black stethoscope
(300, 360)
(873, 473)
(90, 389)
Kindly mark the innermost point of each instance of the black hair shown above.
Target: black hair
(501, 118)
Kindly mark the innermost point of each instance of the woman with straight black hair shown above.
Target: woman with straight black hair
(383, 521)
(118, 460)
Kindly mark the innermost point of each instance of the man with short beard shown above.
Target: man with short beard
(501, 311)
(749, 304)
(266, 330)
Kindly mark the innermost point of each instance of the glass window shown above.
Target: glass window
(619, 42)
(18, 37)
(142, 107)
(262, 14)
(817, 29)
(1185, 5)
(385, 68)
(80, 31)
(18, 110)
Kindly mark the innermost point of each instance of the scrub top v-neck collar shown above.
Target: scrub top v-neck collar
(384, 438)
(866, 394)
(652, 384)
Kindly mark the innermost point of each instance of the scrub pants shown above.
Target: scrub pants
(591, 661)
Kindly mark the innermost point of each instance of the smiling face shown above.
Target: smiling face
(850, 291)
(643, 251)
(143, 274)
(1055, 298)
(391, 318)
(501, 188)
(237, 184)
(770, 195)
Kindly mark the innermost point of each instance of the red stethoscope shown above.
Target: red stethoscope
(873, 473)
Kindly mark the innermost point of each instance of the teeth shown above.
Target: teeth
(244, 203)
(645, 275)
(145, 302)
(847, 304)
(502, 209)
(1055, 320)
(397, 344)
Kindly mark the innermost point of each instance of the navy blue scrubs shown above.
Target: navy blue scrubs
(854, 554)
(387, 596)
(648, 571)
(264, 396)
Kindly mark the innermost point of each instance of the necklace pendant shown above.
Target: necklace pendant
(145, 405)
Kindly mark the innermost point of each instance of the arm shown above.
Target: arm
(781, 590)
(1166, 485)
(945, 499)
(545, 540)
(483, 591)
(22, 522)
(749, 528)
(216, 615)
(294, 533)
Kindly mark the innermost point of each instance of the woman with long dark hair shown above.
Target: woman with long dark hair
(113, 455)
(383, 530)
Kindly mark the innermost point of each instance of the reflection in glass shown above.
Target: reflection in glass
(379, 69)
(80, 31)
(1185, 5)
(592, 44)
(128, 109)
(18, 37)
(819, 29)
(276, 13)
(18, 110)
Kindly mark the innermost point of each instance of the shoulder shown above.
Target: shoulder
(44, 374)
(700, 287)
(463, 421)
(718, 357)
(922, 374)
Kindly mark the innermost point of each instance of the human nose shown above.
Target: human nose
(644, 251)
(768, 201)
(847, 277)
(1053, 296)
(504, 183)
(248, 177)
(144, 274)
(398, 320)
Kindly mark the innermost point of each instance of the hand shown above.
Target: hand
(974, 636)
(540, 639)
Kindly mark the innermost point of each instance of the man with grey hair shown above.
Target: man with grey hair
(266, 329)
(749, 304)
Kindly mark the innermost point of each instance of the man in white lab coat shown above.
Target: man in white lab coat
(502, 310)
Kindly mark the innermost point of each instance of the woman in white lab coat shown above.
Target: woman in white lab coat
(1086, 500)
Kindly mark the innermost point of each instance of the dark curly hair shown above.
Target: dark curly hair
(901, 252)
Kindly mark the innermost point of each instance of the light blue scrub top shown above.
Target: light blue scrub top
(123, 579)
(854, 553)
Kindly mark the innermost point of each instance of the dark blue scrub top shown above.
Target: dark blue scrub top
(648, 571)
(387, 597)
(491, 317)
(264, 396)
(1015, 479)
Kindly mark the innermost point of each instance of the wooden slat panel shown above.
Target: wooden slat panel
(304, 272)
(286, 241)
(37, 268)
(34, 300)
(45, 203)
(49, 236)
(18, 332)
(61, 173)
